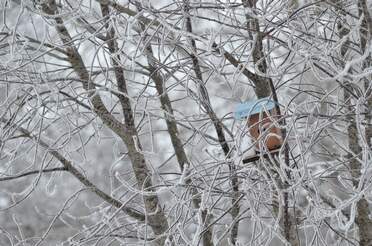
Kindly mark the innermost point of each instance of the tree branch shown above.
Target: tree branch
(155, 214)
(67, 165)
(21, 175)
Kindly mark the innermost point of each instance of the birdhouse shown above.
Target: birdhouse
(260, 115)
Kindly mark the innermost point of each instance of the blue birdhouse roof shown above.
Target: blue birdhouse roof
(249, 108)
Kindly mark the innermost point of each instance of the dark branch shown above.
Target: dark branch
(33, 172)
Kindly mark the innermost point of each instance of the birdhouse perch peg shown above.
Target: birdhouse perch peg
(260, 115)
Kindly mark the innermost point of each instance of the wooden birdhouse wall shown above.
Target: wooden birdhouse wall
(271, 134)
